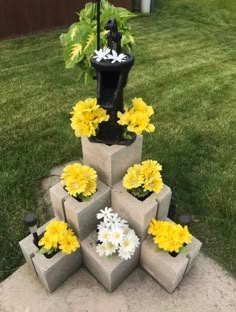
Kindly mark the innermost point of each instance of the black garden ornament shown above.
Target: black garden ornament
(111, 80)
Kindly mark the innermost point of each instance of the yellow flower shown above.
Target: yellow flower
(140, 105)
(69, 244)
(47, 242)
(137, 119)
(153, 184)
(168, 235)
(86, 117)
(133, 178)
(79, 180)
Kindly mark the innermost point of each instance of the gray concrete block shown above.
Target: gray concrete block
(193, 251)
(81, 216)
(139, 213)
(54, 271)
(109, 271)
(163, 199)
(58, 196)
(29, 249)
(165, 269)
(111, 162)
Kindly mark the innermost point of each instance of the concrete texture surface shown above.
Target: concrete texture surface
(206, 288)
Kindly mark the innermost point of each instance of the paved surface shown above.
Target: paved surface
(206, 288)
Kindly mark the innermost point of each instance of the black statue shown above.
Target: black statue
(111, 80)
(113, 36)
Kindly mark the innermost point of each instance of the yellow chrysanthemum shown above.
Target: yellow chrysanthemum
(140, 105)
(137, 119)
(48, 242)
(133, 178)
(168, 235)
(79, 180)
(153, 184)
(86, 117)
(145, 176)
(57, 235)
(69, 244)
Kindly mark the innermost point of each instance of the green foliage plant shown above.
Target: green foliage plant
(80, 41)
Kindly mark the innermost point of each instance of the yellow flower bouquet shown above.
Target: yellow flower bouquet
(169, 236)
(86, 117)
(58, 237)
(143, 179)
(80, 181)
(137, 119)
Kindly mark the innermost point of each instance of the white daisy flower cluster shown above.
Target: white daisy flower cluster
(108, 54)
(114, 235)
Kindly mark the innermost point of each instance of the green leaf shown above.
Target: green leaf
(183, 250)
(79, 42)
(42, 250)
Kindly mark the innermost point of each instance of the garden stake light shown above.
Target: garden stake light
(31, 221)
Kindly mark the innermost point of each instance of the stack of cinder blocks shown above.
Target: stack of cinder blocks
(111, 164)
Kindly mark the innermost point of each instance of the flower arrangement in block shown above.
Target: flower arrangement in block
(58, 237)
(115, 236)
(143, 179)
(86, 117)
(137, 118)
(80, 181)
(169, 236)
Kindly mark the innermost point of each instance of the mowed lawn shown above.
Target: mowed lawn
(184, 68)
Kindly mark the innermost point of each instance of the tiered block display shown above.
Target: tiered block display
(110, 271)
(165, 269)
(81, 216)
(139, 213)
(111, 162)
(54, 271)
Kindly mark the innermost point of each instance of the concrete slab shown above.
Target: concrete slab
(206, 288)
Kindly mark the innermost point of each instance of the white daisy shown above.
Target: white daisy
(103, 234)
(113, 220)
(116, 235)
(101, 54)
(116, 57)
(110, 248)
(101, 249)
(104, 213)
(124, 254)
(101, 225)
(127, 244)
(133, 237)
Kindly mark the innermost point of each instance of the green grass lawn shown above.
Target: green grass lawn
(185, 68)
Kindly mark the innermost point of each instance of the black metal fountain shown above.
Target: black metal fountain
(111, 81)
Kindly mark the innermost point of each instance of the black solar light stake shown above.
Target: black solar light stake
(31, 221)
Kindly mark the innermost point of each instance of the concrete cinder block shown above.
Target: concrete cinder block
(54, 271)
(58, 196)
(110, 271)
(139, 213)
(163, 199)
(29, 249)
(193, 251)
(165, 269)
(81, 216)
(111, 162)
